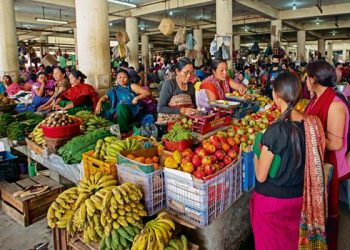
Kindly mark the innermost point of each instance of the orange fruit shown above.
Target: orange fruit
(148, 160)
(130, 156)
(155, 159)
(140, 159)
(156, 166)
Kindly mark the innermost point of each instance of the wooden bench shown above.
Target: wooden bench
(29, 209)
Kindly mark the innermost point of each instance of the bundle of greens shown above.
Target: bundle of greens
(177, 133)
(5, 120)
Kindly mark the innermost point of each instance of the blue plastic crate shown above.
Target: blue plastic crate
(200, 203)
(248, 171)
(9, 171)
(241, 112)
(151, 185)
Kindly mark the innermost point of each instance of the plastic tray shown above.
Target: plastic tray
(151, 185)
(248, 171)
(92, 165)
(200, 203)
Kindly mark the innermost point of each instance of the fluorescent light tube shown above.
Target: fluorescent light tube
(50, 20)
(123, 3)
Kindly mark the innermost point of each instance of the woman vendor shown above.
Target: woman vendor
(61, 85)
(42, 90)
(177, 95)
(218, 84)
(80, 96)
(124, 99)
(9, 87)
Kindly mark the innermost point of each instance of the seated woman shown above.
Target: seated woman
(42, 90)
(177, 96)
(9, 87)
(239, 78)
(124, 99)
(61, 85)
(218, 84)
(80, 96)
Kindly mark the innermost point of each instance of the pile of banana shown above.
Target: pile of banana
(156, 234)
(85, 116)
(37, 136)
(178, 244)
(263, 100)
(108, 148)
(96, 122)
(120, 238)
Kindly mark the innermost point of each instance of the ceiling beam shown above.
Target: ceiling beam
(328, 10)
(327, 25)
(65, 3)
(297, 26)
(260, 7)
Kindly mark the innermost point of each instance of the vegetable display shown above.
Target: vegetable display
(177, 133)
(5, 120)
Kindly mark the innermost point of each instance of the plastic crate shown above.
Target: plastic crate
(248, 171)
(92, 165)
(151, 185)
(200, 203)
(9, 170)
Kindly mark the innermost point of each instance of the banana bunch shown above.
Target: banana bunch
(156, 234)
(85, 116)
(37, 136)
(178, 244)
(107, 149)
(263, 100)
(96, 122)
(61, 211)
(120, 238)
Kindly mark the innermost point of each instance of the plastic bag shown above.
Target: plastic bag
(180, 36)
(268, 50)
(225, 52)
(166, 26)
(213, 47)
(182, 47)
(122, 37)
(255, 48)
(218, 54)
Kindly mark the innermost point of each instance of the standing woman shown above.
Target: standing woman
(282, 201)
(177, 95)
(333, 111)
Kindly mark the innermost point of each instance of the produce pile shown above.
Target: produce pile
(263, 100)
(237, 94)
(5, 120)
(37, 136)
(177, 133)
(58, 119)
(98, 207)
(108, 148)
(91, 122)
(21, 125)
(301, 105)
(4, 100)
(73, 150)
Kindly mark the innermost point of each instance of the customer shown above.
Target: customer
(124, 101)
(61, 85)
(284, 159)
(81, 96)
(333, 111)
(177, 96)
(273, 72)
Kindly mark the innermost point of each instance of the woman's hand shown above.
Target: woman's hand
(135, 100)
(57, 107)
(98, 108)
(242, 89)
(188, 111)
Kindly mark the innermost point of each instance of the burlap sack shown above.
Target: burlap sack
(166, 26)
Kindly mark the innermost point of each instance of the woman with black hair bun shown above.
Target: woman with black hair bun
(81, 96)
(124, 101)
(288, 205)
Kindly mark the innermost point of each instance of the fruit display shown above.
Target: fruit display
(238, 96)
(120, 238)
(108, 148)
(177, 133)
(97, 207)
(4, 100)
(186, 122)
(58, 119)
(145, 160)
(37, 136)
(156, 234)
(263, 100)
(301, 105)
(73, 150)
(178, 244)
(96, 122)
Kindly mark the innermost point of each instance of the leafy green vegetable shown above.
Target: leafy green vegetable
(177, 133)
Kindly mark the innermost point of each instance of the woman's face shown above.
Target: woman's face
(240, 77)
(185, 75)
(122, 79)
(57, 75)
(42, 78)
(221, 72)
(6, 80)
(73, 80)
(310, 83)
(284, 67)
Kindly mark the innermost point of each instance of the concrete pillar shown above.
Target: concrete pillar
(43, 39)
(151, 46)
(198, 37)
(93, 42)
(237, 42)
(345, 55)
(276, 31)
(8, 40)
(321, 47)
(330, 53)
(145, 50)
(286, 50)
(301, 35)
(131, 27)
(224, 23)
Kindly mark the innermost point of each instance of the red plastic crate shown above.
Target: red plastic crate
(205, 124)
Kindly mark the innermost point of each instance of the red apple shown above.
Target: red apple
(235, 127)
(186, 160)
(187, 153)
(210, 149)
(227, 160)
(199, 173)
(217, 167)
(236, 149)
(225, 147)
(220, 154)
(214, 138)
(237, 140)
(250, 130)
(221, 165)
(232, 154)
(213, 158)
(231, 141)
(201, 152)
(196, 160)
(223, 141)
(206, 160)
(217, 144)
(209, 170)
(244, 138)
